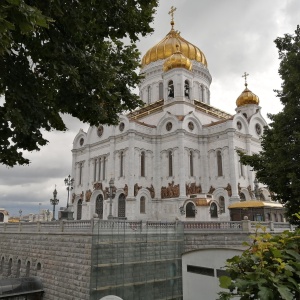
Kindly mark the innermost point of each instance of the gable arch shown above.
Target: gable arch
(161, 126)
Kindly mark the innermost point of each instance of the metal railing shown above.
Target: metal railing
(87, 226)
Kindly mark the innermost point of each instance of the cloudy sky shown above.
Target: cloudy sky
(235, 36)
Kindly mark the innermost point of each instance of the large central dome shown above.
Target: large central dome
(167, 46)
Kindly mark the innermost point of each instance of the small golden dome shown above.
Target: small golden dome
(167, 47)
(247, 97)
(177, 60)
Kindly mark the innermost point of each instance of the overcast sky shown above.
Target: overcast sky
(235, 36)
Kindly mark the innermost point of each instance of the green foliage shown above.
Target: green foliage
(278, 164)
(66, 57)
(269, 269)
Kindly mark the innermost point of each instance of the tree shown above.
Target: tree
(57, 56)
(278, 164)
(269, 269)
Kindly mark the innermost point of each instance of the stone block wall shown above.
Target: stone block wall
(61, 260)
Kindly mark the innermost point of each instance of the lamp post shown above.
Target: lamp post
(111, 185)
(54, 202)
(20, 213)
(69, 183)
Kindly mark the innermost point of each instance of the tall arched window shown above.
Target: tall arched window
(190, 210)
(191, 164)
(171, 89)
(9, 267)
(161, 91)
(95, 169)
(99, 169)
(121, 164)
(104, 167)
(219, 163)
(99, 206)
(80, 172)
(187, 89)
(149, 94)
(122, 206)
(170, 159)
(143, 159)
(222, 204)
(28, 269)
(79, 209)
(213, 210)
(143, 205)
(18, 268)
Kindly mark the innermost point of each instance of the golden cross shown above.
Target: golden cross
(171, 13)
(245, 76)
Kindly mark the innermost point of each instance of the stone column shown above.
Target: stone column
(181, 164)
(232, 164)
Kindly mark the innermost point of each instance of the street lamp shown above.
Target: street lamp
(54, 202)
(111, 185)
(69, 183)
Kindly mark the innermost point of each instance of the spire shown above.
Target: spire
(171, 13)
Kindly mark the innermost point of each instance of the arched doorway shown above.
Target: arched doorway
(190, 210)
(99, 206)
(122, 206)
(79, 209)
(1, 217)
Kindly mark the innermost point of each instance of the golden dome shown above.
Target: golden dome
(167, 47)
(177, 60)
(247, 97)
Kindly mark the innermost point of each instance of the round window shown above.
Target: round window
(169, 126)
(100, 130)
(258, 129)
(121, 126)
(239, 125)
(191, 126)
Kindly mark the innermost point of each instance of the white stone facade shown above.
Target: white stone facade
(175, 158)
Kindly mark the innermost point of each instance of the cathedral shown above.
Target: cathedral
(176, 157)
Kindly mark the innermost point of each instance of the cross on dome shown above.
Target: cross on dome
(245, 76)
(171, 13)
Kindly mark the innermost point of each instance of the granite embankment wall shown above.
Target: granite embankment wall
(62, 261)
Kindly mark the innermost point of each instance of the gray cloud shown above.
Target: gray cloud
(235, 36)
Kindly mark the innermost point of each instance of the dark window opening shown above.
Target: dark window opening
(201, 270)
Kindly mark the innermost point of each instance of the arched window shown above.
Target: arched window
(268, 217)
(190, 210)
(213, 210)
(143, 158)
(171, 89)
(80, 172)
(95, 169)
(79, 209)
(191, 164)
(99, 206)
(99, 169)
(18, 268)
(149, 94)
(1, 217)
(219, 163)
(121, 164)
(187, 89)
(122, 206)
(28, 269)
(170, 159)
(222, 204)
(143, 205)
(38, 266)
(9, 267)
(104, 167)
(161, 91)
(242, 197)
